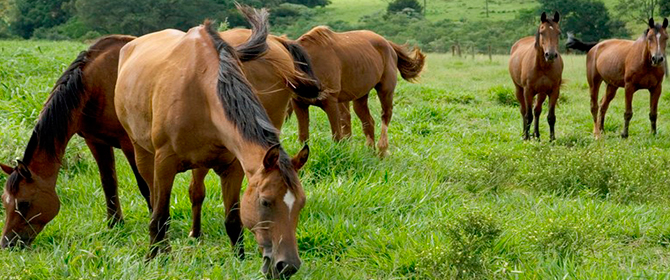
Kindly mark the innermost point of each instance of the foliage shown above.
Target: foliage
(310, 3)
(34, 14)
(589, 20)
(409, 7)
(641, 10)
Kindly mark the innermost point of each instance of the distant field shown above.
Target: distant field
(352, 10)
(459, 193)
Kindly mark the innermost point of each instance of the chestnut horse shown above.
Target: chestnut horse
(92, 78)
(349, 65)
(81, 103)
(536, 68)
(181, 113)
(633, 65)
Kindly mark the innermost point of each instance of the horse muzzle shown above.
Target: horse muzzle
(550, 56)
(657, 60)
(15, 240)
(278, 268)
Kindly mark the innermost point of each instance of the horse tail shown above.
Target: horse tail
(256, 46)
(409, 65)
(574, 43)
(305, 84)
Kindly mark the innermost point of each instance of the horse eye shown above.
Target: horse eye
(23, 205)
(265, 202)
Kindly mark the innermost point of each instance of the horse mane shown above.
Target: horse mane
(241, 105)
(320, 35)
(65, 98)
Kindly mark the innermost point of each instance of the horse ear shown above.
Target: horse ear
(651, 22)
(23, 170)
(300, 159)
(7, 169)
(665, 23)
(557, 17)
(271, 157)
(543, 17)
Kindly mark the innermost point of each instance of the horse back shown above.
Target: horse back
(608, 60)
(162, 95)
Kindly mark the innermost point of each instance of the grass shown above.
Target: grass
(460, 196)
(352, 10)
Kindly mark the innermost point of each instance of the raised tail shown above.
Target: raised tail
(576, 44)
(305, 84)
(409, 65)
(256, 46)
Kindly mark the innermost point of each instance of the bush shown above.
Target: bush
(411, 7)
(503, 95)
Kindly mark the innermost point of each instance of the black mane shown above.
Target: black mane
(56, 116)
(240, 103)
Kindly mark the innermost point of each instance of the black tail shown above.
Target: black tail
(256, 46)
(576, 44)
(309, 86)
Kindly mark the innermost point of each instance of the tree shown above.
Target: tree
(640, 10)
(33, 14)
(310, 3)
(588, 19)
(664, 9)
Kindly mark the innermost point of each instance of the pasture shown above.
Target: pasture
(461, 195)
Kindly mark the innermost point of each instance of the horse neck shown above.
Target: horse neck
(640, 52)
(250, 156)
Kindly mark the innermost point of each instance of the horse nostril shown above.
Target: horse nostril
(285, 269)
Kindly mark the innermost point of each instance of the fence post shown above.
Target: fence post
(490, 53)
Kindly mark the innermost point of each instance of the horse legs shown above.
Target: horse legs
(345, 119)
(301, 110)
(610, 92)
(231, 183)
(528, 95)
(628, 114)
(537, 113)
(594, 88)
(653, 106)
(385, 94)
(129, 152)
(331, 107)
(363, 112)
(551, 116)
(164, 173)
(196, 193)
(522, 107)
(104, 157)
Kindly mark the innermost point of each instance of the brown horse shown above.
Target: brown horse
(92, 77)
(632, 65)
(80, 103)
(181, 113)
(536, 68)
(349, 65)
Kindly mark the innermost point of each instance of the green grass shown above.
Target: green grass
(460, 196)
(352, 10)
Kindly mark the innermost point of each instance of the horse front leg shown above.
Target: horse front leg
(104, 157)
(528, 95)
(331, 107)
(537, 112)
(628, 114)
(655, 94)
(551, 116)
(231, 183)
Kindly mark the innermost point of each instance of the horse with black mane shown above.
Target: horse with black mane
(633, 65)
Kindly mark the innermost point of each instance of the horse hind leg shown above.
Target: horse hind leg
(165, 164)
(594, 88)
(537, 112)
(528, 96)
(331, 107)
(385, 91)
(551, 115)
(522, 106)
(301, 110)
(104, 157)
(129, 152)
(196, 193)
(367, 122)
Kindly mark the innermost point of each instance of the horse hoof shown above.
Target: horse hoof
(194, 234)
(624, 135)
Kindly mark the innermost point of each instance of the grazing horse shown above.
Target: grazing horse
(81, 103)
(186, 104)
(349, 65)
(633, 65)
(536, 68)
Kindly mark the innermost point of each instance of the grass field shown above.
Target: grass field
(352, 10)
(460, 196)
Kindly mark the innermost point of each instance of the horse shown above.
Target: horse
(79, 103)
(349, 65)
(576, 44)
(536, 68)
(633, 65)
(92, 77)
(185, 103)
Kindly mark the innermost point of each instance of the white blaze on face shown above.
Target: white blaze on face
(289, 199)
(7, 199)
